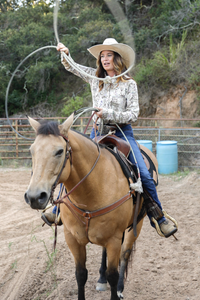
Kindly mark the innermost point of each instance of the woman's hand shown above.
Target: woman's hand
(100, 112)
(62, 48)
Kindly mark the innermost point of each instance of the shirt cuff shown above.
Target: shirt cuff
(107, 114)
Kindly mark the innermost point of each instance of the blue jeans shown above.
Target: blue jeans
(55, 207)
(146, 178)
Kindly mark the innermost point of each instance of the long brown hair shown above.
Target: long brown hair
(119, 68)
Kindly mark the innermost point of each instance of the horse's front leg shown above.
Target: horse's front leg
(126, 251)
(81, 278)
(79, 253)
(113, 253)
(102, 282)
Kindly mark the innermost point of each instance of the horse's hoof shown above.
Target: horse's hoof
(120, 295)
(101, 287)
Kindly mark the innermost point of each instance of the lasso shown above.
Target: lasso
(68, 59)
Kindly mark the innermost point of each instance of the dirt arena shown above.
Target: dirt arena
(161, 269)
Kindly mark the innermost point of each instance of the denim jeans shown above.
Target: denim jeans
(146, 178)
(55, 207)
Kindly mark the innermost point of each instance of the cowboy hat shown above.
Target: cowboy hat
(125, 51)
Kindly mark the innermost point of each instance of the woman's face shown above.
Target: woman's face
(107, 58)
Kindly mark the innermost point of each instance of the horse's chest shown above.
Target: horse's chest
(79, 233)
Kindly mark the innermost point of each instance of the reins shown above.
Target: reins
(69, 154)
(58, 201)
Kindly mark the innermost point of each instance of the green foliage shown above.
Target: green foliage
(195, 75)
(166, 54)
(14, 265)
(72, 105)
(163, 66)
(51, 256)
(76, 102)
(40, 78)
(197, 124)
(149, 73)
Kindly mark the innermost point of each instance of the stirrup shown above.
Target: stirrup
(58, 220)
(167, 217)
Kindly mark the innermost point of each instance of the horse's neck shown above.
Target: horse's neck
(84, 151)
(105, 176)
(84, 155)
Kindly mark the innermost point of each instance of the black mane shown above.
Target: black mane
(48, 127)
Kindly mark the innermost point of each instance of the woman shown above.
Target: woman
(117, 102)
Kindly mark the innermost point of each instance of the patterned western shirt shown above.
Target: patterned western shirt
(118, 100)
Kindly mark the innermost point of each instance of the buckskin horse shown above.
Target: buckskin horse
(99, 207)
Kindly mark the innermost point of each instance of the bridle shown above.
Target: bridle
(68, 155)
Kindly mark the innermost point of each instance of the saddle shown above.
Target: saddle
(112, 141)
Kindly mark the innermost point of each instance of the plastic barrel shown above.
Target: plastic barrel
(167, 156)
(146, 143)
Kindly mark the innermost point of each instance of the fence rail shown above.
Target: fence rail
(155, 129)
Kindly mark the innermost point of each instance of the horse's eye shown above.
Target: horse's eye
(59, 152)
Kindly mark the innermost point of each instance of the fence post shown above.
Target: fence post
(16, 136)
(159, 135)
(81, 125)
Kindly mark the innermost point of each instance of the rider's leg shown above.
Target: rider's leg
(147, 181)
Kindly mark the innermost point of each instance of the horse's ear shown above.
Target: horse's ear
(64, 128)
(35, 124)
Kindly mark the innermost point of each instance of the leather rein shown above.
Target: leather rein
(75, 210)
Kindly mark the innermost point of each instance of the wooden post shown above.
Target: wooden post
(16, 136)
(82, 125)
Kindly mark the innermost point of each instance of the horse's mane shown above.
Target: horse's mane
(51, 127)
(48, 127)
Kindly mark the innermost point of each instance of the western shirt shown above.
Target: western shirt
(119, 100)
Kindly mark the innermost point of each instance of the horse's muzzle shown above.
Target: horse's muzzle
(37, 200)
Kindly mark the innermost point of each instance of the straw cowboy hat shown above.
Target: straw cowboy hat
(125, 51)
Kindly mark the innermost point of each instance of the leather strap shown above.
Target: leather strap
(136, 214)
(88, 215)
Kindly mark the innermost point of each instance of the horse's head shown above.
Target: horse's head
(50, 163)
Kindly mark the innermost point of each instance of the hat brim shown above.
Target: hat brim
(125, 51)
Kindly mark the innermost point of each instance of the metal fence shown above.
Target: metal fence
(188, 143)
(183, 131)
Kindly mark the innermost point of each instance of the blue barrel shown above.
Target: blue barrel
(167, 156)
(146, 143)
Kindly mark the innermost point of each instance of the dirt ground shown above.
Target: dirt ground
(161, 268)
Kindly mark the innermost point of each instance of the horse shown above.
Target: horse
(99, 207)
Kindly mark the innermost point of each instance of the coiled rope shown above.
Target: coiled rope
(9, 84)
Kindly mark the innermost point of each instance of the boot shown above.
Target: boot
(167, 228)
(49, 218)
